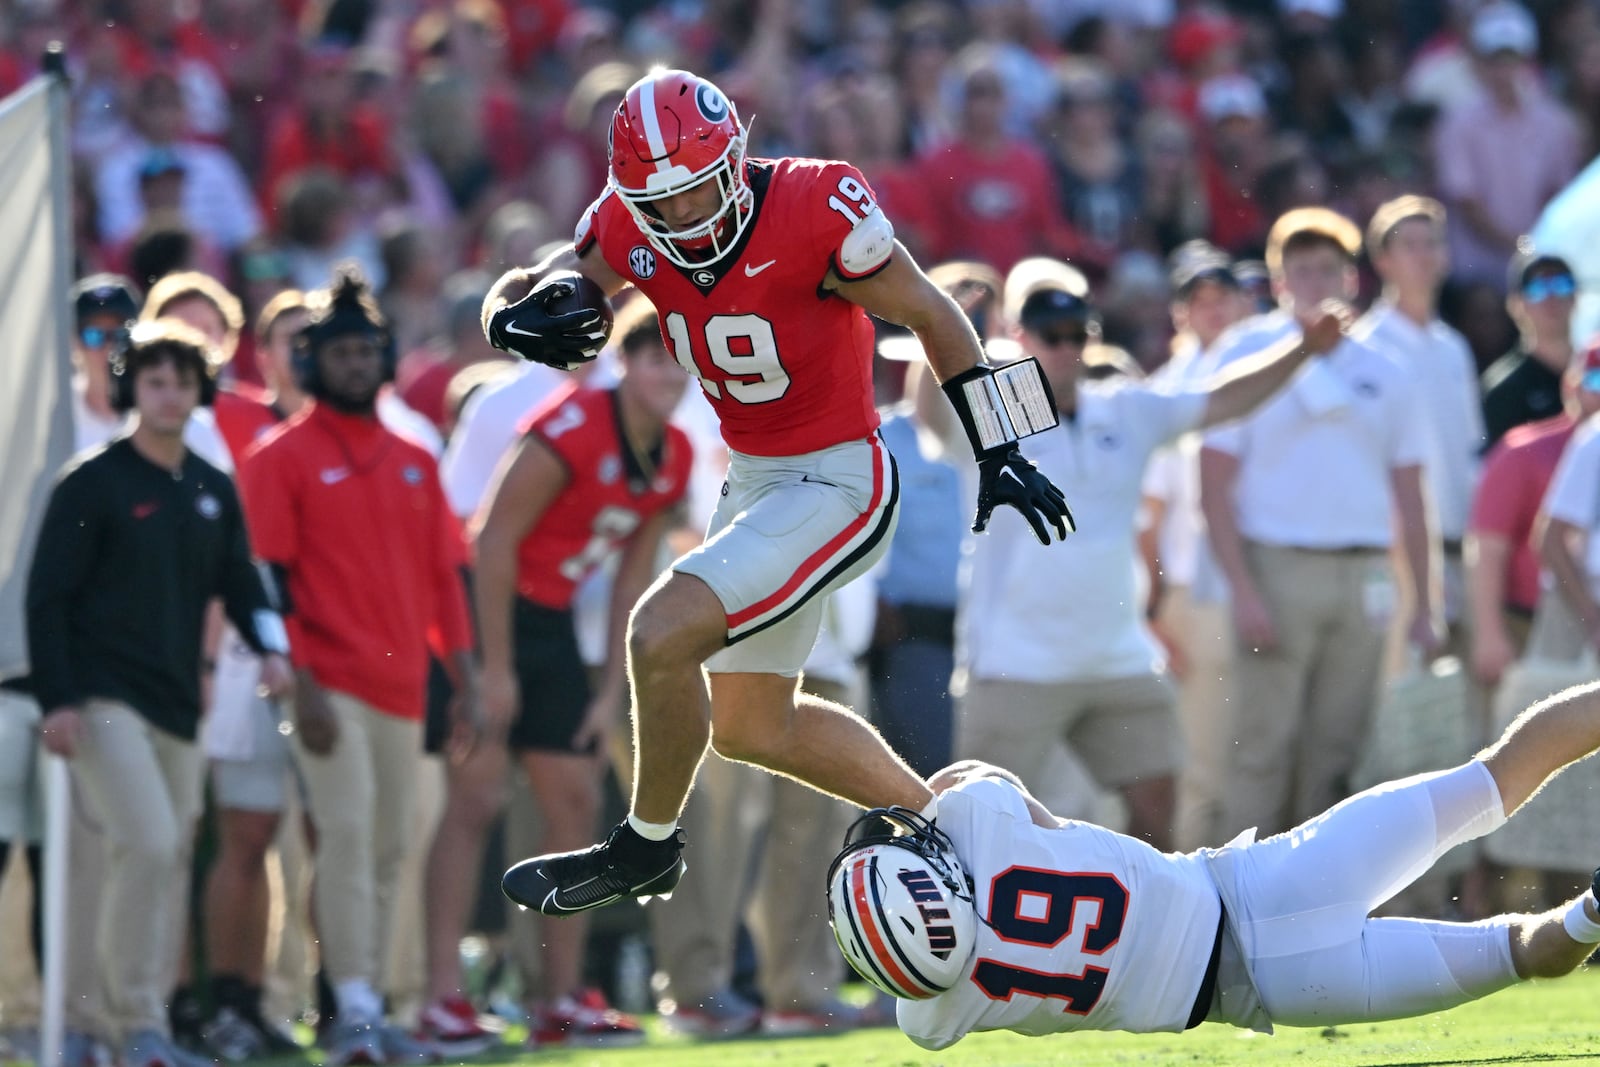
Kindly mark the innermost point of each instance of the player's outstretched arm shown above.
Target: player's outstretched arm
(1543, 739)
(902, 294)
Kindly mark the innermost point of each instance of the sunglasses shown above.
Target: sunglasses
(96, 336)
(1055, 338)
(1538, 290)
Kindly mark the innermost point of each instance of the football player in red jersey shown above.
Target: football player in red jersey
(596, 472)
(763, 273)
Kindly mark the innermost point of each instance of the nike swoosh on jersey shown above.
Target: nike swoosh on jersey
(751, 272)
(334, 475)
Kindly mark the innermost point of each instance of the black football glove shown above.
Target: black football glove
(528, 329)
(1006, 477)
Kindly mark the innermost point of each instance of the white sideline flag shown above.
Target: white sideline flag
(35, 345)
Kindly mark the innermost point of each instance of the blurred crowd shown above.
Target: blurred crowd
(1116, 188)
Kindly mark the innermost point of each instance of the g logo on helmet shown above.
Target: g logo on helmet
(712, 104)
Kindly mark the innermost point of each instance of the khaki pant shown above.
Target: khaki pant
(731, 807)
(1116, 730)
(359, 797)
(1303, 709)
(143, 787)
(1204, 633)
(86, 874)
(291, 965)
(405, 981)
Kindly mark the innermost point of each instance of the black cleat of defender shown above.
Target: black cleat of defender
(623, 865)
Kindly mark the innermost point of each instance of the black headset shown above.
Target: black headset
(121, 389)
(308, 374)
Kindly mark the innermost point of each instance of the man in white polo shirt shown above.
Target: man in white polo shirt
(1406, 242)
(1188, 601)
(1053, 647)
(1300, 500)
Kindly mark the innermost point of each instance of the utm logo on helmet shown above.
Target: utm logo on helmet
(673, 131)
(900, 905)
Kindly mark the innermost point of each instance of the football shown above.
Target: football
(585, 294)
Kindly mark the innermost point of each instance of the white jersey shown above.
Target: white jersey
(1081, 928)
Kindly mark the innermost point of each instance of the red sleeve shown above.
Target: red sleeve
(271, 503)
(837, 200)
(1499, 498)
(1056, 234)
(450, 603)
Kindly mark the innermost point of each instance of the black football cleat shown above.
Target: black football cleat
(623, 865)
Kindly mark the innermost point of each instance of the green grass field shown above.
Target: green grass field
(1543, 1023)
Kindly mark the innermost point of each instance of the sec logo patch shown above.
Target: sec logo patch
(642, 261)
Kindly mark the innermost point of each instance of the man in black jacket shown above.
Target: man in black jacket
(137, 538)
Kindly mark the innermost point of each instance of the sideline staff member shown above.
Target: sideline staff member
(137, 538)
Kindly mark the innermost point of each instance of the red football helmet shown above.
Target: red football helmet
(671, 132)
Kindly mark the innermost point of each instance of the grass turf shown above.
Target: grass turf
(1544, 1023)
(1541, 1023)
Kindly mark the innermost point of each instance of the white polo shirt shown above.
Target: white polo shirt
(1574, 493)
(1173, 475)
(1036, 613)
(1315, 460)
(1442, 365)
(487, 429)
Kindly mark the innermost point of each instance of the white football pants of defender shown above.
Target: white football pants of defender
(1299, 904)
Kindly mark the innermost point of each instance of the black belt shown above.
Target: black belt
(1341, 550)
(1452, 547)
(1208, 984)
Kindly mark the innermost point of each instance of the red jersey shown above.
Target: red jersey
(607, 496)
(786, 365)
(356, 516)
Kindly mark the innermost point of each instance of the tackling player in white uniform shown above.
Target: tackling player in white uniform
(1004, 917)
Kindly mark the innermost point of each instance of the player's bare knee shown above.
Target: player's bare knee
(661, 639)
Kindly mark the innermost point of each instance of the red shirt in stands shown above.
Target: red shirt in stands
(786, 365)
(995, 209)
(1516, 474)
(360, 148)
(607, 496)
(355, 514)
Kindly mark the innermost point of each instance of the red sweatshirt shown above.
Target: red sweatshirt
(356, 516)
